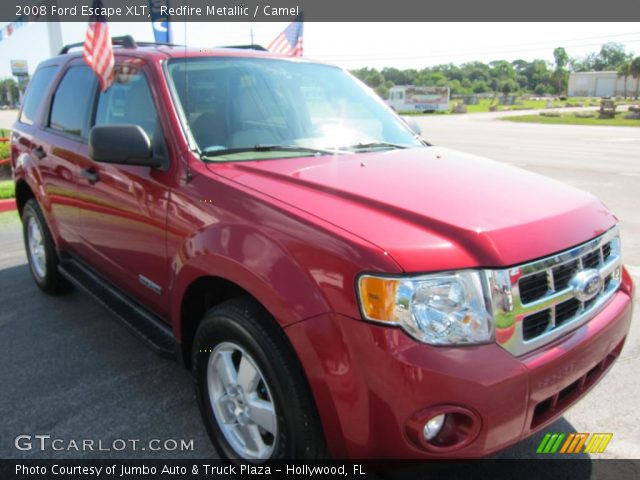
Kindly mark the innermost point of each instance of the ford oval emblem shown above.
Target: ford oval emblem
(587, 284)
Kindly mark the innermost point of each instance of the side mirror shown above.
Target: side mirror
(122, 144)
(412, 124)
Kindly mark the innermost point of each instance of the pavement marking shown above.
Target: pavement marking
(633, 270)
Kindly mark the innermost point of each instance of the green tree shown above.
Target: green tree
(611, 55)
(508, 86)
(501, 71)
(560, 76)
(398, 77)
(635, 73)
(9, 92)
(561, 57)
(480, 86)
(624, 70)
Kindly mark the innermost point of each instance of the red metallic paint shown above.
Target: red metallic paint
(370, 381)
(295, 233)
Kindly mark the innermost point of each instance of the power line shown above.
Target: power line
(450, 54)
(542, 44)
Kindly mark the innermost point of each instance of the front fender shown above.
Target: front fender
(248, 258)
(295, 265)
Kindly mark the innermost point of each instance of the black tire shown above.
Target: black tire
(245, 323)
(50, 280)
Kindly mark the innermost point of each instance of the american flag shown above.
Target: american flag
(98, 52)
(289, 42)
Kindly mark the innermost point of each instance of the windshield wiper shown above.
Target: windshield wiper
(217, 152)
(371, 145)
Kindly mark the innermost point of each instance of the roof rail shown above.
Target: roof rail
(160, 44)
(125, 41)
(247, 47)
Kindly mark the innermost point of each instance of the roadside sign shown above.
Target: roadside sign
(19, 68)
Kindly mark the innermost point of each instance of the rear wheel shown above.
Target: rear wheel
(41, 252)
(251, 389)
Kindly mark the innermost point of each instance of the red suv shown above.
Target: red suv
(336, 284)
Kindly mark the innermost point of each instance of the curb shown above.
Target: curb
(8, 205)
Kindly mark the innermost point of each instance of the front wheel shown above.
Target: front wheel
(251, 389)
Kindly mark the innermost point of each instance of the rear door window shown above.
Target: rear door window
(38, 87)
(73, 102)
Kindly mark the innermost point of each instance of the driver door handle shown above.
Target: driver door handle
(91, 174)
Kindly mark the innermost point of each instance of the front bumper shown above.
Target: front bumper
(371, 382)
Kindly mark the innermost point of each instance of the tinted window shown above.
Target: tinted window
(128, 100)
(38, 86)
(72, 101)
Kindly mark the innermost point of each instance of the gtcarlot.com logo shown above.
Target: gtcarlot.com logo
(574, 443)
(47, 443)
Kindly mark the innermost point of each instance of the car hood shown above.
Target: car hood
(432, 208)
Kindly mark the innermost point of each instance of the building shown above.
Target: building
(600, 84)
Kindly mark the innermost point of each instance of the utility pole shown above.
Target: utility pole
(54, 32)
(55, 37)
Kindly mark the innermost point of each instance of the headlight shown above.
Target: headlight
(440, 309)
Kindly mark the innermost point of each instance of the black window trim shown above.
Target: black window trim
(43, 107)
(83, 138)
(143, 72)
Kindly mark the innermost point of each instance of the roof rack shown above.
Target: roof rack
(125, 41)
(247, 47)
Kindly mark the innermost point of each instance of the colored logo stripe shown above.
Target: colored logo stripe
(550, 443)
(574, 442)
(577, 443)
(598, 442)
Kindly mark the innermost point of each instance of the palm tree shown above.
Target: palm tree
(635, 73)
(624, 70)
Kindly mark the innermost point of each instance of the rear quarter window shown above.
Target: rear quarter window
(38, 87)
(73, 102)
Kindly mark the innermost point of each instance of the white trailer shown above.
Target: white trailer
(403, 98)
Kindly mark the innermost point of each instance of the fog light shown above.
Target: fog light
(433, 426)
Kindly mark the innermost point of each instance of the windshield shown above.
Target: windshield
(242, 108)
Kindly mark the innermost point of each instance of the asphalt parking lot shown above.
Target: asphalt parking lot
(70, 371)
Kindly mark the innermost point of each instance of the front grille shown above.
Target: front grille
(536, 324)
(591, 260)
(534, 286)
(562, 275)
(535, 303)
(565, 311)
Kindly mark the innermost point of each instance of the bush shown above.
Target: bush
(7, 189)
(540, 89)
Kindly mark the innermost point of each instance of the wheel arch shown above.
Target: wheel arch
(202, 294)
(23, 194)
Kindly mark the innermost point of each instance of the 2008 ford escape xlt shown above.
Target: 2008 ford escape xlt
(337, 285)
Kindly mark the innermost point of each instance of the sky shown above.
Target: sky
(355, 45)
